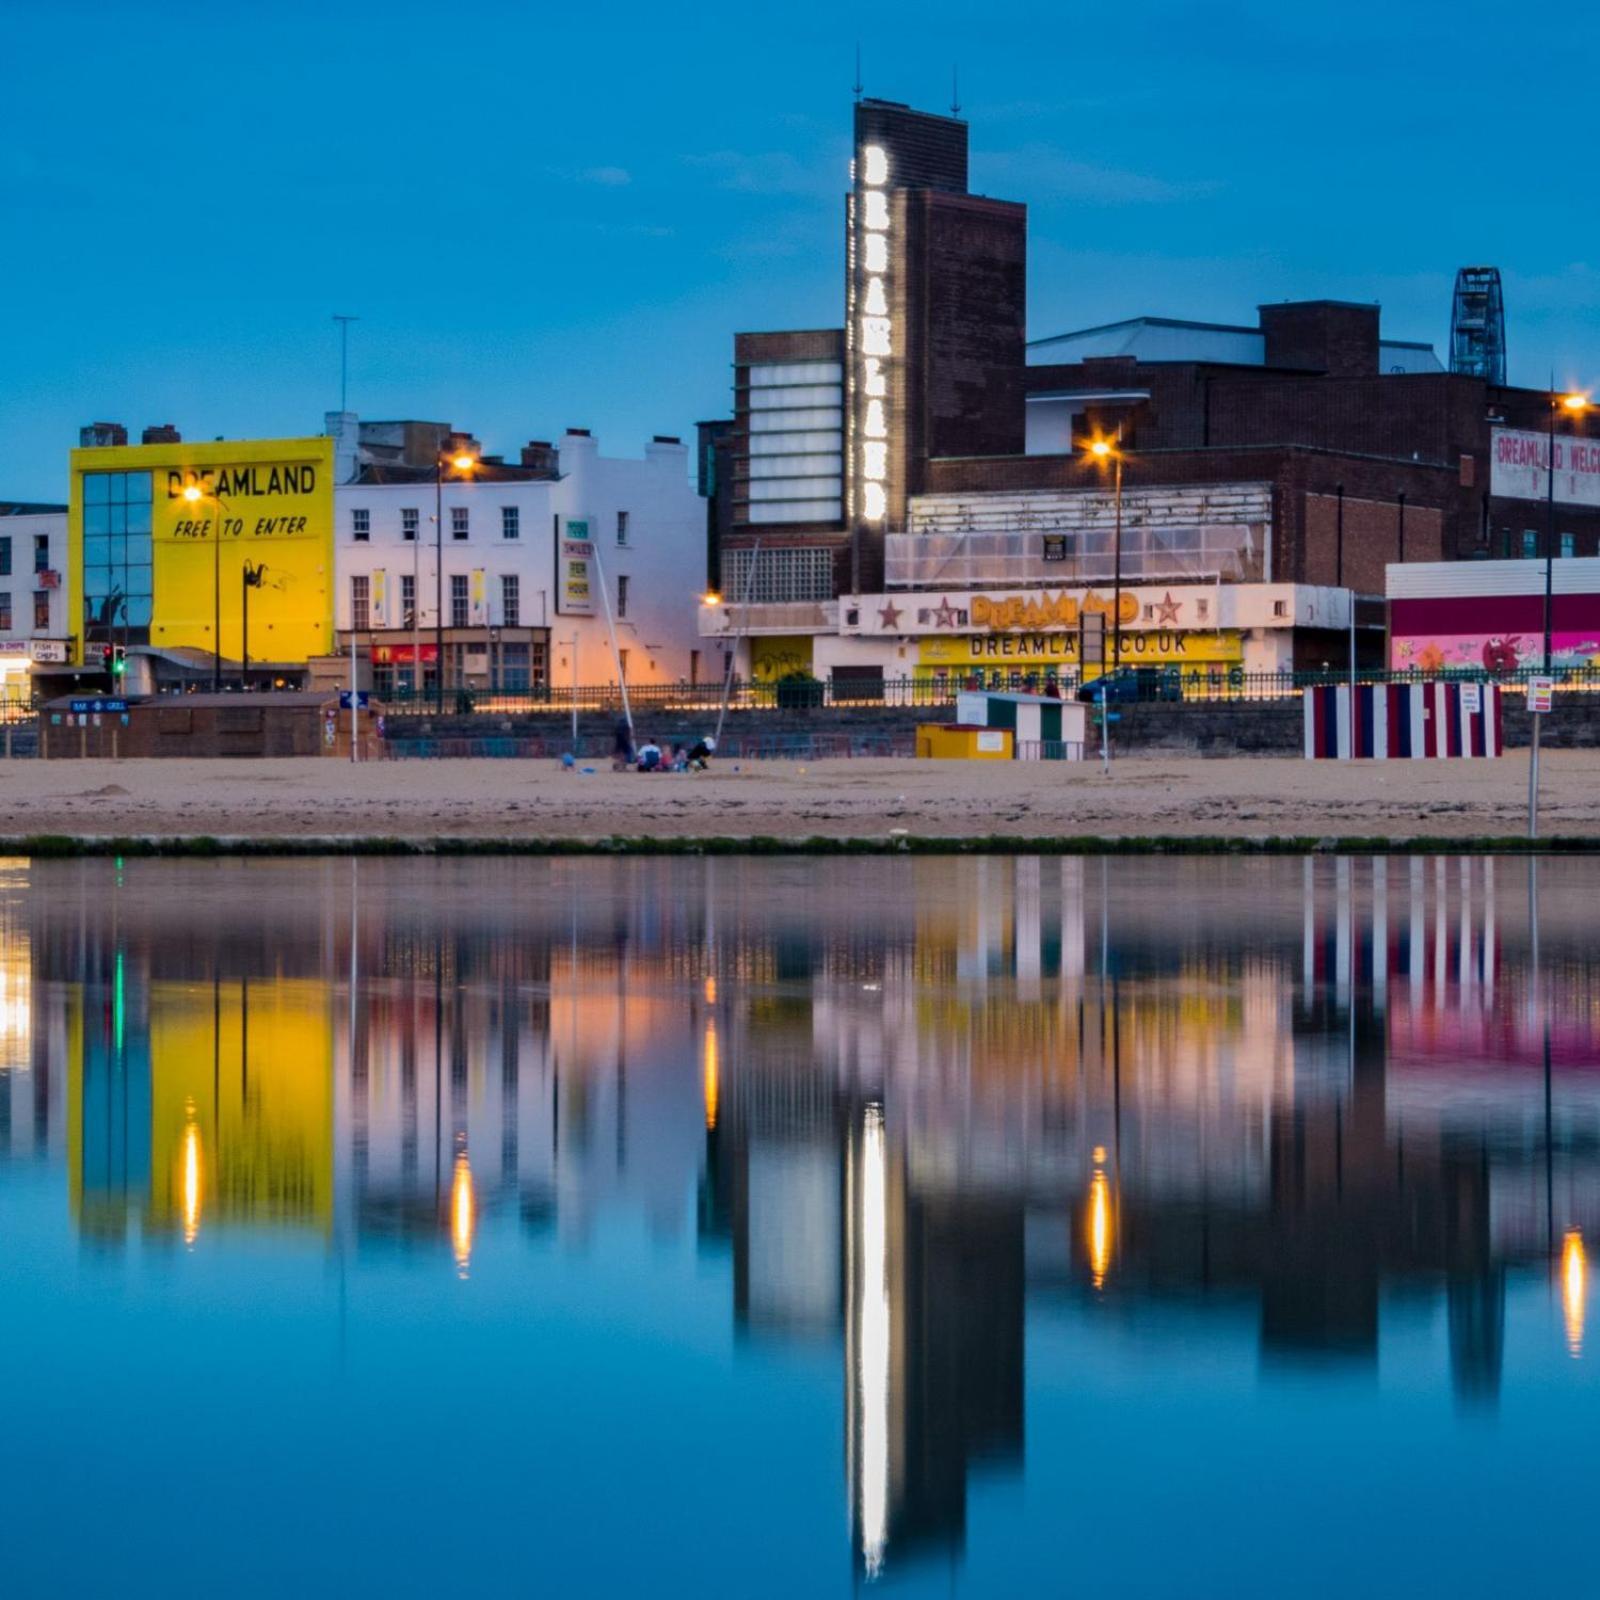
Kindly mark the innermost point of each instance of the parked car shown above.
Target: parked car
(1127, 684)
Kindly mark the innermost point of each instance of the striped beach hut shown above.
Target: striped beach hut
(1403, 722)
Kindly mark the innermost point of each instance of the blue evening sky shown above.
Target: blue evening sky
(558, 215)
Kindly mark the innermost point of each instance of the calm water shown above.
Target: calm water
(747, 1228)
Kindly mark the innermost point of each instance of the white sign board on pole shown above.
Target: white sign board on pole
(1518, 467)
(1541, 694)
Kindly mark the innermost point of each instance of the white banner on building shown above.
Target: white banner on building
(1519, 468)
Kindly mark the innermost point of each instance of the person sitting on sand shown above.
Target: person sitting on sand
(700, 753)
(649, 756)
(622, 745)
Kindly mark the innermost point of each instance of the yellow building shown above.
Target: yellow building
(162, 539)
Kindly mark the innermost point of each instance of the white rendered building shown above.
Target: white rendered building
(530, 559)
(34, 628)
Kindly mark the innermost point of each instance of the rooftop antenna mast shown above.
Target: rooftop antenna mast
(344, 354)
(955, 92)
(858, 72)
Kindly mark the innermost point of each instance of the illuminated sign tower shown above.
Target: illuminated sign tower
(934, 307)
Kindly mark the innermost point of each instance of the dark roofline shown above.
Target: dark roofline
(380, 474)
(1152, 322)
(28, 508)
(1222, 327)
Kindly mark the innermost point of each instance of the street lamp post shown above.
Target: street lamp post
(1574, 405)
(461, 463)
(1111, 450)
(194, 494)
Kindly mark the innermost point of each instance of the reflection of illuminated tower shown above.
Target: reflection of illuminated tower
(933, 1349)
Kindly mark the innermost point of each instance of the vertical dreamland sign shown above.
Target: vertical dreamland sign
(1519, 467)
(575, 568)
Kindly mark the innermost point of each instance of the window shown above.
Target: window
(41, 609)
(1280, 608)
(622, 595)
(780, 575)
(5, 611)
(360, 524)
(510, 600)
(5, 557)
(460, 602)
(510, 522)
(360, 602)
(1530, 543)
(408, 598)
(458, 522)
(116, 555)
(1567, 545)
(408, 522)
(41, 552)
(622, 527)
(514, 669)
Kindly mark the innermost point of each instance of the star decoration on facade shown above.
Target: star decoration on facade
(944, 614)
(889, 615)
(1167, 610)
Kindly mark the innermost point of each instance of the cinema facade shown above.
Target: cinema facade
(915, 494)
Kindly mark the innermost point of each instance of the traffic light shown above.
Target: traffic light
(106, 653)
(119, 660)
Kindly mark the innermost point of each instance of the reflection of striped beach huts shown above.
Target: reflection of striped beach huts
(1411, 721)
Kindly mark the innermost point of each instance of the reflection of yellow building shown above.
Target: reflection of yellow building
(159, 535)
(241, 1118)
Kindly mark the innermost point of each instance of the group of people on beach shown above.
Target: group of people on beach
(650, 757)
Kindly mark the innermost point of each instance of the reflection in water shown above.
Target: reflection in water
(1099, 1224)
(191, 1176)
(1574, 1288)
(463, 1215)
(912, 1112)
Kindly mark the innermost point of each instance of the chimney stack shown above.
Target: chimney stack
(543, 456)
(99, 435)
(161, 433)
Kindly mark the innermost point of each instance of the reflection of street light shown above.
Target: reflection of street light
(191, 1176)
(711, 598)
(461, 462)
(1574, 1288)
(1099, 1225)
(711, 1084)
(463, 1213)
(193, 493)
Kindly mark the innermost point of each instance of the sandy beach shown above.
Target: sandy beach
(511, 800)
